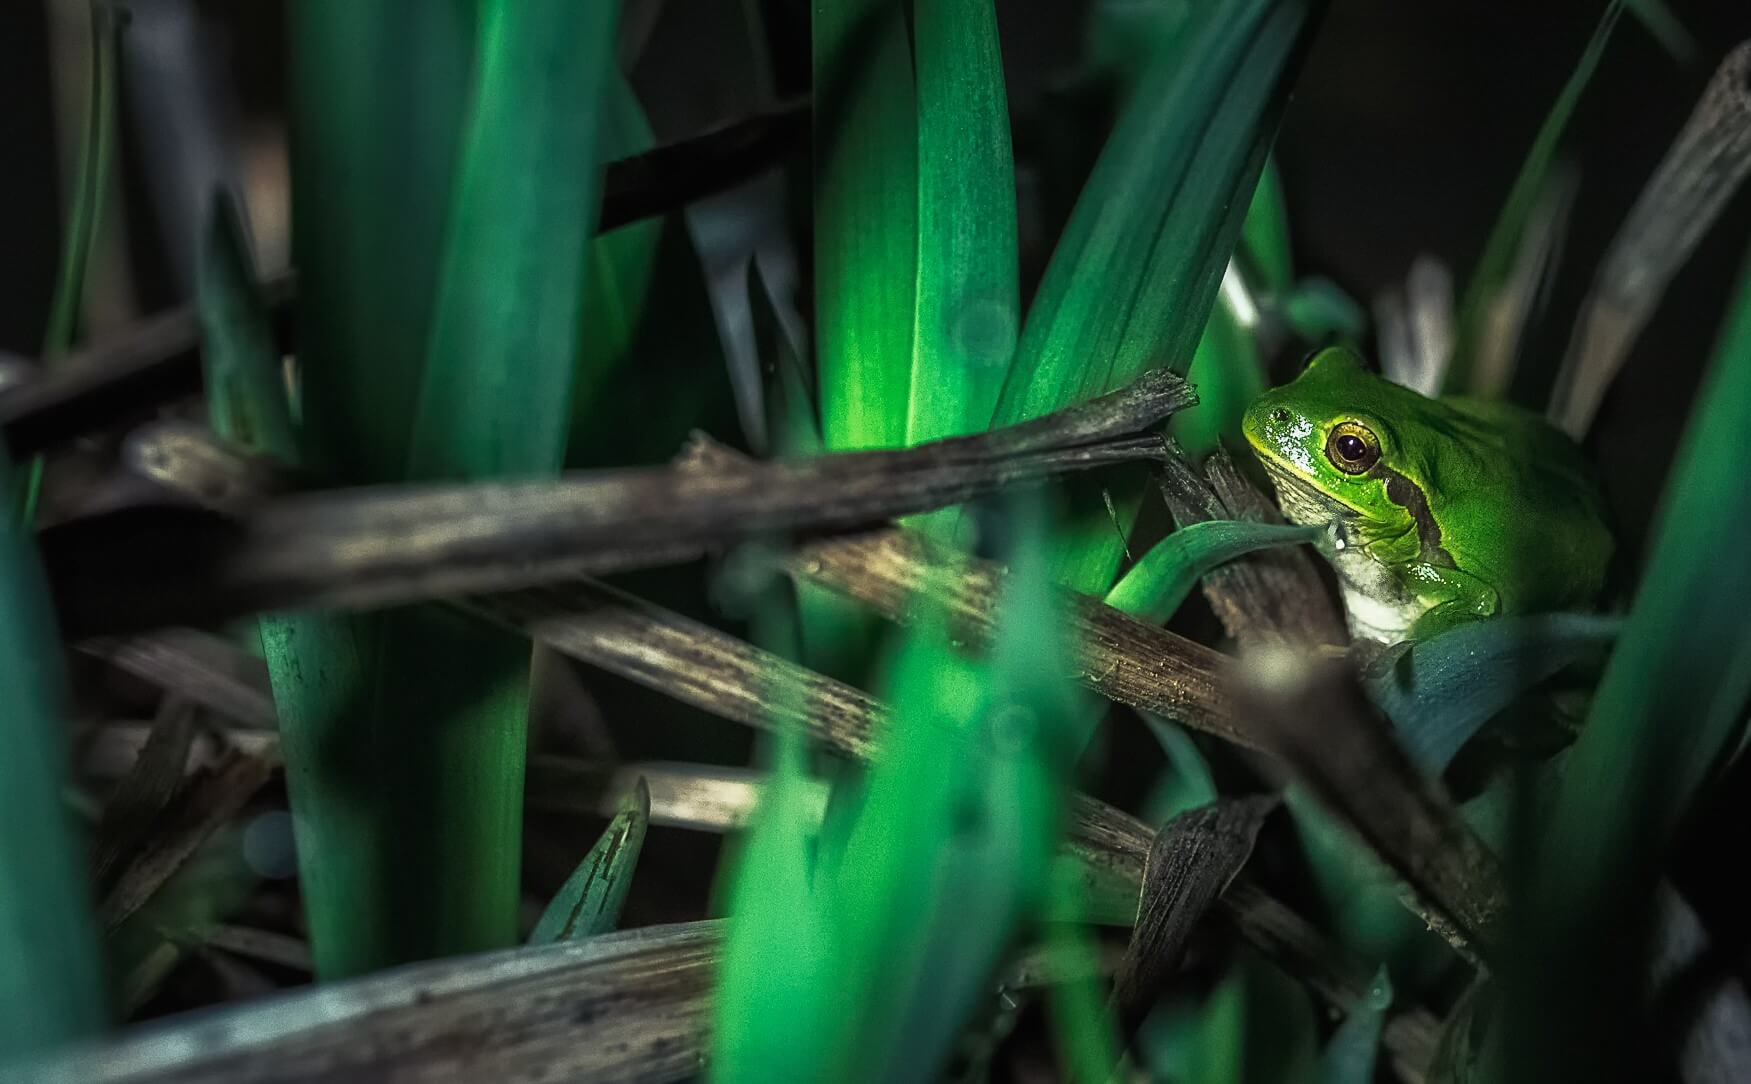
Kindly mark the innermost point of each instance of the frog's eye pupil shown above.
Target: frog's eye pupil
(1352, 448)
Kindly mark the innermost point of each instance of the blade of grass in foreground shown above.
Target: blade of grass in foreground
(1669, 706)
(51, 984)
(926, 868)
(1131, 282)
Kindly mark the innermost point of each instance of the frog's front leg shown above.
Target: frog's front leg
(1459, 597)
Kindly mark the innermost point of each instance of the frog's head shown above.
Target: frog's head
(1324, 441)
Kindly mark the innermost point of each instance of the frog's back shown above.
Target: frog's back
(1537, 531)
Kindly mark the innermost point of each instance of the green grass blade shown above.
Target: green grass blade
(405, 730)
(505, 334)
(1153, 588)
(1668, 708)
(1497, 260)
(968, 290)
(866, 221)
(1663, 23)
(1132, 280)
(51, 982)
(79, 237)
(589, 902)
(91, 179)
(377, 97)
(866, 266)
(246, 393)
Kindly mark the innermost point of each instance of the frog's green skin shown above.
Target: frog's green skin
(1471, 508)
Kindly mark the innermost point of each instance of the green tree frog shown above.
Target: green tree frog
(1441, 510)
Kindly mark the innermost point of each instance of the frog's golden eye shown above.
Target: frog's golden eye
(1352, 447)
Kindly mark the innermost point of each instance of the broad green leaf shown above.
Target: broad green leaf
(1493, 267)
(1131, 282)
(866, 221)
(1669, 706)
(1154, 587)
(589, 902)
(968, 293)
(1353, 1049)
(1439, 692)
(51, 981)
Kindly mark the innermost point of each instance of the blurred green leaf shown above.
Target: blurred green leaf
(1256, 1026)
(1186, 782)
(968, 292)
(1668, 708)
(1131, 282)
(1663, 23)
(589, 902)
(1497, 261)
(926, 867)
(1439, 692)
(771, 1022)
(51, 984)
(1088, 1041)
(1154, 587)
(1350, 1054)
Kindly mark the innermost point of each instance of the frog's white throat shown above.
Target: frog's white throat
(1375, 600)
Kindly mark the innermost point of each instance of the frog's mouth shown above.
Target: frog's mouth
(1303, 502)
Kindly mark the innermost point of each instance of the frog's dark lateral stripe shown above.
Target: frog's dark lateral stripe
(1410, 496)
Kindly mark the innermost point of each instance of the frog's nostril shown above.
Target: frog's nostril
(1280, 416)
